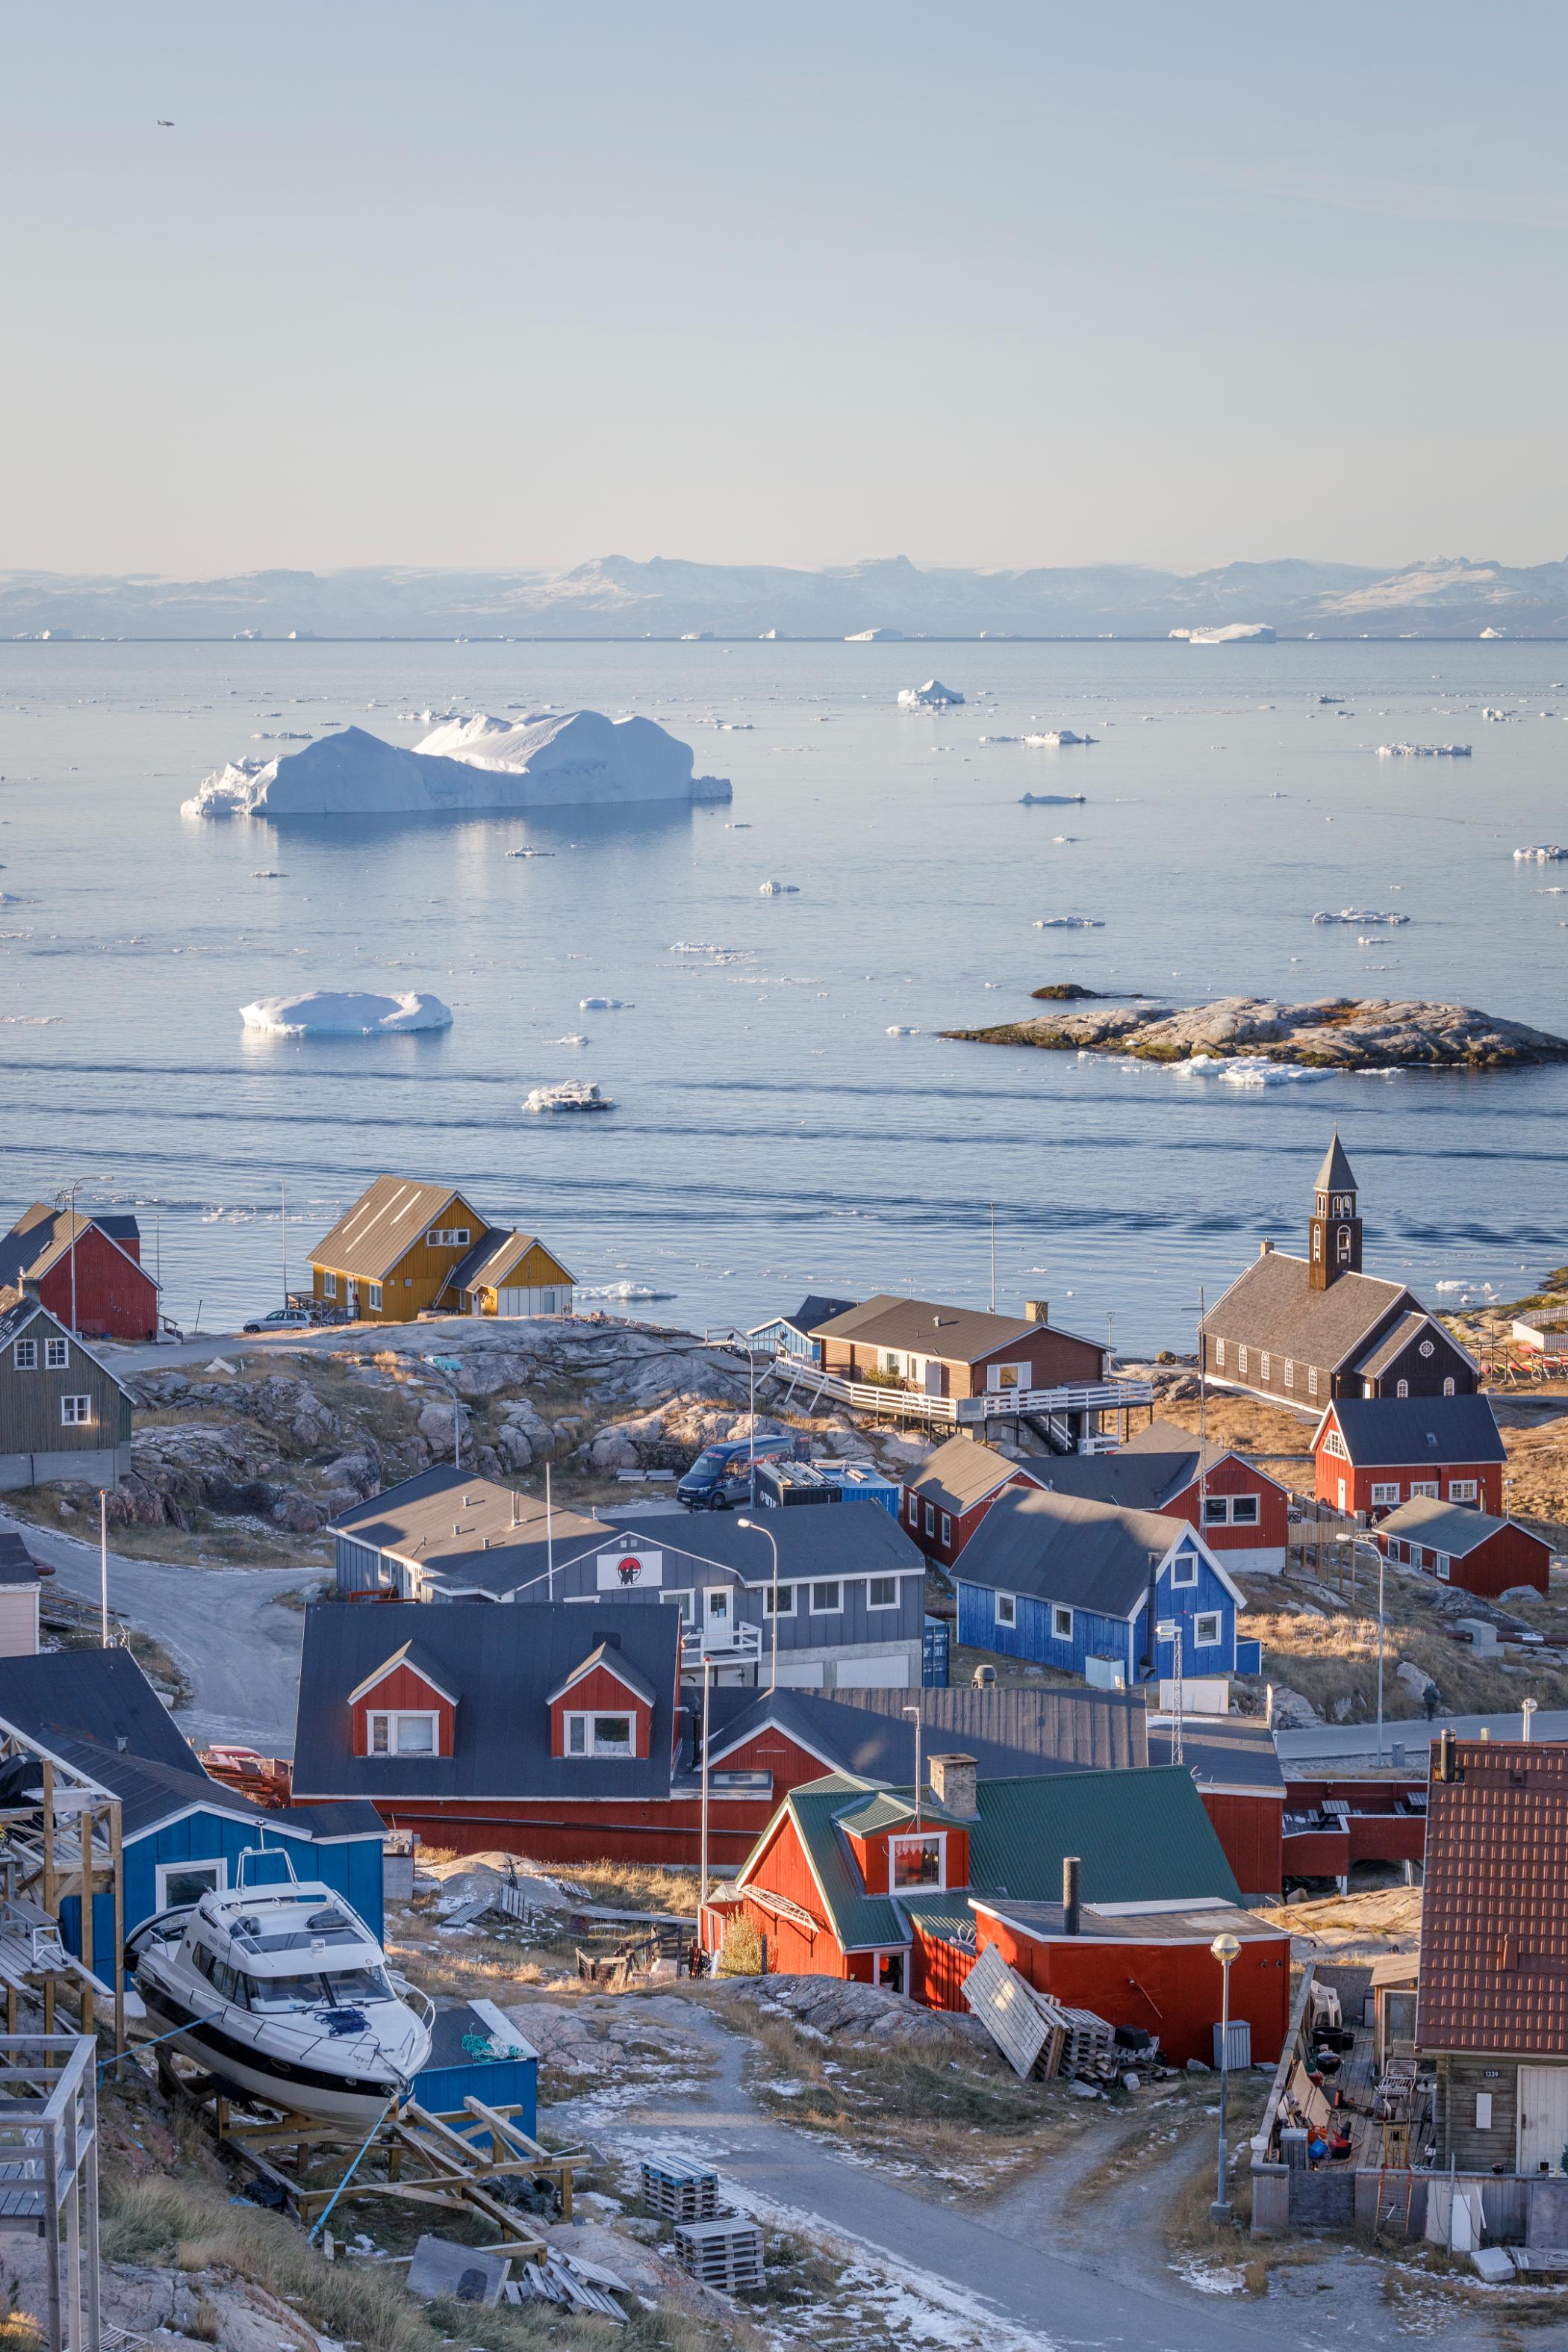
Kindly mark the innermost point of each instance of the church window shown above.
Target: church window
(1402, 1388)
(1263, 1364)
(1344, 1241)
(1448, 1386)
(1317, 1241)
(1241, 1360)
(1219, 1353)
(1311, 1380)
(1289, 1373)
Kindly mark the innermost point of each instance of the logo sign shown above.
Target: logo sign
(630, 1571)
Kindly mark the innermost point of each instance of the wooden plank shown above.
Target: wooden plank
(1009, 2011)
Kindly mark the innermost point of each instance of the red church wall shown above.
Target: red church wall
(1251, 1830)
(1171, 1990)
(114, 1300)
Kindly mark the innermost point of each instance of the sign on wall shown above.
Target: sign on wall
(630, 1571)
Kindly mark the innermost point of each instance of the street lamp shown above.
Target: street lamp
(1225, 1949)
(752, 1529)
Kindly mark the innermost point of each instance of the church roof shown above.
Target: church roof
(1335, 1174)
(1273, 1304)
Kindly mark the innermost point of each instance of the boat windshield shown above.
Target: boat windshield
(340, 1987)
(313, 1934)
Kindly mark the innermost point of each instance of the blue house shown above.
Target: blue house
(1063, 1581)
(793, 1335)
(95, 1713)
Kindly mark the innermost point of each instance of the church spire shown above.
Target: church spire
(1333, 1232)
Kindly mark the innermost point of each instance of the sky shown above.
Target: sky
(504, 285)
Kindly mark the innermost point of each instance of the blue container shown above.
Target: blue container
(461, 2065)
(933, 1654)
(860, 1482)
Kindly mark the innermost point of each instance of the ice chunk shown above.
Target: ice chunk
(1056, 739)
(601, 1005)
(932, 695)
(1235, 633)
(778, 890)
(568, 1094)
(345, 1012)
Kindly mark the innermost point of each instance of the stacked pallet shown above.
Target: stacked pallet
(1036, 2034)
(680, 2192)
(725, 2255)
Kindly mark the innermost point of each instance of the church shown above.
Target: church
(1303, 1330)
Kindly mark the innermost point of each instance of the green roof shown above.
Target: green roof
(1141, 1837)
(890, 1809)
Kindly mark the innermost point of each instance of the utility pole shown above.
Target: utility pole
(1380, 1568)
(104, 1564)
(549, 1537)
(993, 1258)
(283, 1201)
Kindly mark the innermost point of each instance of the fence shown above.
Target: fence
(993, 1405)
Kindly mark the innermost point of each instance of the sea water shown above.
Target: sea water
(787, 1118)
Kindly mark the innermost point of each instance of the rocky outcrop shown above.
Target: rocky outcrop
(823, 2006)
(1335, 1032)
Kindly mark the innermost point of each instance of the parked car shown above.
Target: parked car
(720, 1478)
(282, 1318)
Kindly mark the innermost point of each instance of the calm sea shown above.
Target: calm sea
(770, 1136)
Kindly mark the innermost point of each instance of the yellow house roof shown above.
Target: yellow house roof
(384, 1225)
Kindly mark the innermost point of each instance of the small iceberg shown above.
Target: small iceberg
(1069, 923)
(1051, 800)
(1424, 752)
(701, 947)
(622, 1290)
(568, 1094)
(903, 1029)
(1245, 1070)
(778, 890)
(530, 853)
(1056, 739)
(1541, 852)
(345, 1012)
(571, 1038)
(1237, 633)
(1361, 915)
(932, 696)
(602, 1004)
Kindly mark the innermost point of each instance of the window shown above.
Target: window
(946, 1528)
(785, 1598)
(1006, 1375)
(1462, 1490)
(1443, 1565)
(26, 1355)
(1290, 1371)
(1262, 1365)
(1007, 1609)
(1311, 1380)
(1241, 1361)
(56, 1355)
(1207, 1629)
(881, 1593)
(1184, 1567)
(1423, 1486)
(931, 1518)
(1386, 1494)
(891, 1362)
(1061, 1624)
(448, 1238)
(600, 1735)
(1219, 1353)
(685, 1602)
(1244, 1511)
(75, 1412)
(187, 1882)
(916, 1861)
(914, 1511)
(1216, 1511)
(373, 1294)
(826, 1599)
(396, 1734)
(1402, 1388)
(1334, 1443)
(329, 1286)
(1483, 2111)
(1448, 1386)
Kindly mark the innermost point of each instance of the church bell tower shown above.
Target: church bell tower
(1333, 1231)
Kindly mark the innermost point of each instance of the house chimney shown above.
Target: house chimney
(952, 1780)
(1447, 1756)
(1070, 1910)
(1265, 1249)
(1037, 1310)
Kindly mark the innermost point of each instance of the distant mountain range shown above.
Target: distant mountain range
(615, 597)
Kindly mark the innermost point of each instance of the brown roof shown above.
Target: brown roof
(1274, 1306)
(384, 1222)
(963, 1472)
(1494, 1920)
(958, 1335)
(491, 1261)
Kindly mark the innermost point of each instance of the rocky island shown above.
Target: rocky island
(1333, 1033)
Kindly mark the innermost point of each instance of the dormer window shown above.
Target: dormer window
(1184, 1567)
(397, 1732)
(914, 1862)
(407, 1707)
(601, 1734)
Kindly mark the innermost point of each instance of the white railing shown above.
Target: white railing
(871, 1396)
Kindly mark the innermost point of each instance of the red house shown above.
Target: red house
(1373, 1453)
(955, 1488)
(87, 1271)
(1466, 1547)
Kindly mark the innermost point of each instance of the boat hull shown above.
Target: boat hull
(257, 2074)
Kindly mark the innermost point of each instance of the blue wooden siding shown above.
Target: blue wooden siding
(1185, 1603)
(1031, 1636)
(350, 1867)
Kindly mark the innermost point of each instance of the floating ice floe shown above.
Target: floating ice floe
(1243, 1070)
(1237, 632)
(1056, 739)
(1070, 923)
(700, 947)
(345, 1012)
(563, 759)
(530, 853)
(266, 874)
(571, 1038)
(1424, 752)
(778, 890)
(1051, 800)
(603, 1004)
(622, 1290)
(1361, 915)
(1541, 852)
(903, 1029)
(568, 1094)
(997, 738)
(932, 696)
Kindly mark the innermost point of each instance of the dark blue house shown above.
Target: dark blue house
(795, 1335)
(1063, 1581)
(94, 1712)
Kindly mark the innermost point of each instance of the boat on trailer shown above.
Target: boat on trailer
(279, 1990)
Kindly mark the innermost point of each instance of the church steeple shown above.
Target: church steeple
(1333, 1232)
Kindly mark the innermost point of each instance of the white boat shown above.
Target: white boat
(281, 1993)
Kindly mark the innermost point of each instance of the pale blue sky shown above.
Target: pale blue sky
(492, 283)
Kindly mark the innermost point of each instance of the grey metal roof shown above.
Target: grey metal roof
(41, 1236)
(1335, 1175)
(846, 1538)
(1007, 1731)
(1448, 1527)
(17, 1565)
(100, 1695)
(386, 1219)
(476, 1532)
(420, 1661)
(1065, 1548)
(1273, 1304)
(964, 1471)
(504, 1663)
(811, 1312)
(1382, 1432)
(1198, 1921)
(960, 1335)
(1223, 1751)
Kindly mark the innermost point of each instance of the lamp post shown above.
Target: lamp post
(1380, 1562)
(752, 1528)
(702, 1889)
(1225, 1949)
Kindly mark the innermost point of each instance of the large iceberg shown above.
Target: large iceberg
(345, 1012)
(1235, 633)
(557, 759)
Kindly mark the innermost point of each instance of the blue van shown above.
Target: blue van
(720, 1478)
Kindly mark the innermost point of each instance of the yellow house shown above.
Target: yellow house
(406, 1249)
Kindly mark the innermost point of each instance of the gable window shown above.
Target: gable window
(1061, 1623)
(1385, 1493)
(1462, 1490)
(448, 1238)
(1244, 1511)
(56, 1355)
(1007, 1609)
(881, 1593)
(778, 1601)
(1402, 1388)
(373, 1294)
(25, 1354)
(1205, 1629)
(1311, 1380)
(399, 1733)
(946, 1527)
(1449, 1385)
(826, 1599)
(600, 1735)
(1334, 1443)
(917, 1862)
(1216, 1511)
(75, 1412)
(1219, 1353)
(1241, 1361)
(1290, 1371)
(1184, 1567)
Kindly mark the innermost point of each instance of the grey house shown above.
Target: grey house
(63, 1414)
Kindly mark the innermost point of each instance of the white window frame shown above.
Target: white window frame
(785, 1600)
(1264, 1361)
(329, 1286)
(163, 1871)
(25, 1355)
(924, 1838)
(1219, 1353)
(930, 1519)
(834, 1608)
(1241, 1361)
(685, 1600)
(373, 1295)
(1245, 1511)
(1006, 1608)
(56, 1355)
(1463, 1490)
(1425, 1487)
(448, 1238)
(1214, 1617)
(1334, 1443)
(1061, 1622)
(395, 1718)
(914, 1508)
(582, 1725)
(1290, 1371)
(1445, 1567)
(947, 1527)
(1008, 1377)
(1184, 1570)
(1386, 1494)
(75, 1412)
(1402, 1388)
(1311, 1380)
(885, 1584)
(1216, 1511)
(1448, 1388)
